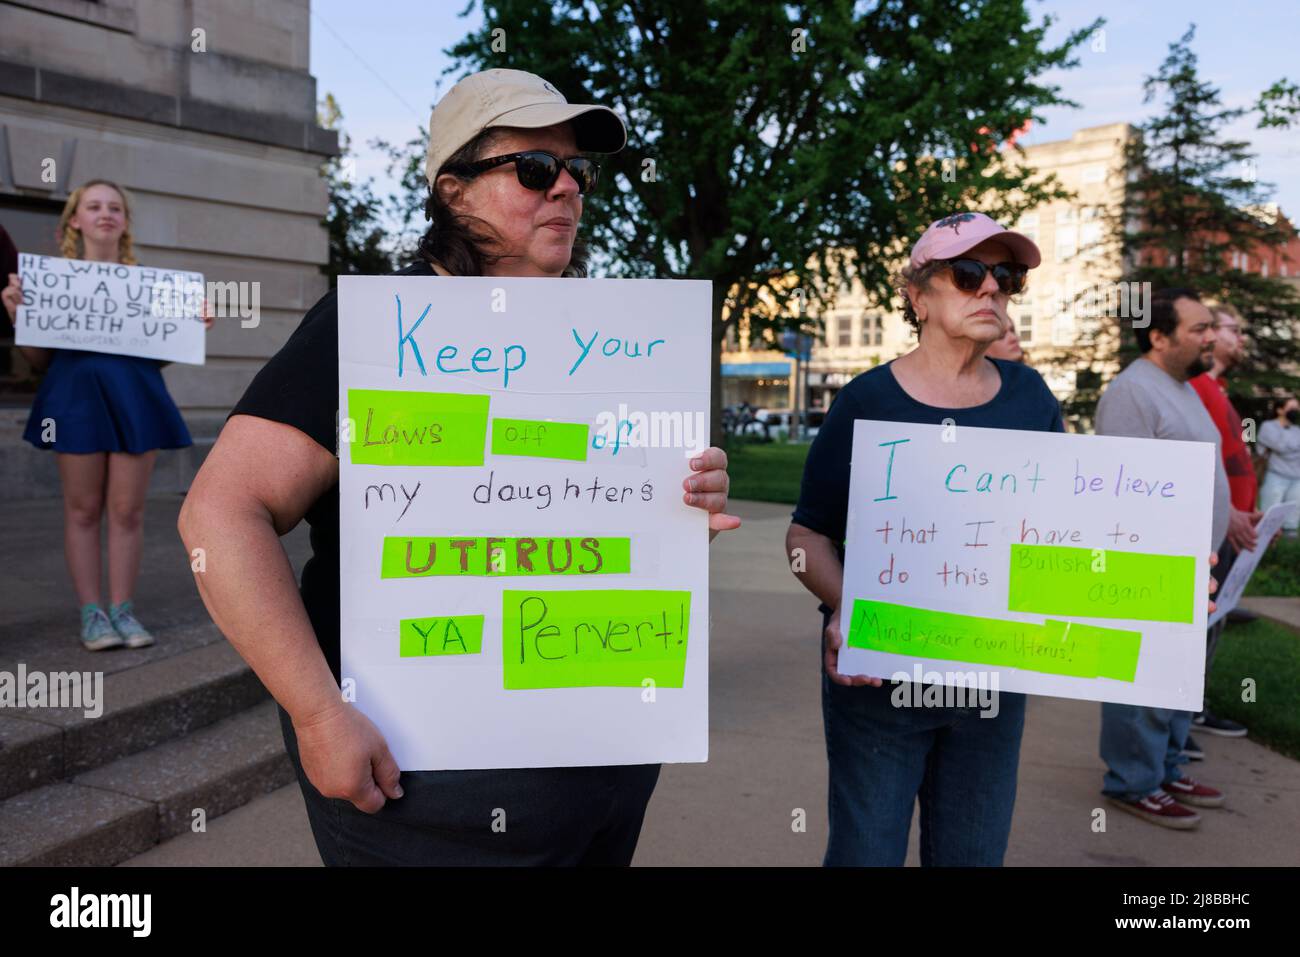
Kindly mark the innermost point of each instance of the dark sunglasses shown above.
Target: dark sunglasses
(538, 169)
(968, 274)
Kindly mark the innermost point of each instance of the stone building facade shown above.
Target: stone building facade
(205, 111)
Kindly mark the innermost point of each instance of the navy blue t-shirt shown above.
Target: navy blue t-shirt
(1023, 402)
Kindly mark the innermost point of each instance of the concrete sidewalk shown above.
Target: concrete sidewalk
(767, 761)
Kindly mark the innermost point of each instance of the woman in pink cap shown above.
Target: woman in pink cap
(960, 763)
(507, 176)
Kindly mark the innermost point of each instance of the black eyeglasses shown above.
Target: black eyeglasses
(968, 274)
(538, 169)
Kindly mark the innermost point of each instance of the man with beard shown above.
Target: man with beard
(1151, 398)
(1211, 386)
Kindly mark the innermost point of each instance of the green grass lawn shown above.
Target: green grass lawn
(1269, 654)
(1279, 571)
(766, 471)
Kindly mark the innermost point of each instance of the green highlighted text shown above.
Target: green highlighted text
(609, 638)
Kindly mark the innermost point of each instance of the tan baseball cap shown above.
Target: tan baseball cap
(514, 98)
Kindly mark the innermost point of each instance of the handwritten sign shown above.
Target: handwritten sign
(108, 307)
(1067, 565)
(1229, 596)
(521, 582)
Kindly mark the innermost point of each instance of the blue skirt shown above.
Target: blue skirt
(105, 403)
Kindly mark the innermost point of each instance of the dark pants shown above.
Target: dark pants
(883, 758)
(1227, 555)
(529, 816)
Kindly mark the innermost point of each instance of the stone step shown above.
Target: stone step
(142, 707)
(118, 810)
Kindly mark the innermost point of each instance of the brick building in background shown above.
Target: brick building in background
(205, 111)
(1081, 254)
(1076, 255)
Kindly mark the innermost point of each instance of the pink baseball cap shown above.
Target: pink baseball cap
(953, 235)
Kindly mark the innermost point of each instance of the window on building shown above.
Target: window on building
(845, 331)
(1090, 238)
(1093, 174)
(872, 330)
(1029, 225)
(1024, 313)
(1067, 241)
(1063, 327)
(1025, 328)
(1263, 268)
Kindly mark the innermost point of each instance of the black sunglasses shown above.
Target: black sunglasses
(538, 169)
(968, 274)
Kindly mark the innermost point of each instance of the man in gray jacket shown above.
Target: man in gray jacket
(1151, 398)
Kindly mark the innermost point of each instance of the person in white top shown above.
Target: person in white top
(1280, 436)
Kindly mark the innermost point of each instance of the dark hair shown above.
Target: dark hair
(1164, 316)
(462, 244)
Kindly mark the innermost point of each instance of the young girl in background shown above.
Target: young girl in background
(104, 416)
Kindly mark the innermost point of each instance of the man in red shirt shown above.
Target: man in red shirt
(1213, 390)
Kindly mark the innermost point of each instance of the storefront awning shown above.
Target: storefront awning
(755, 370)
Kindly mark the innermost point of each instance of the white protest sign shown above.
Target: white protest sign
(1227, 597)
(1039, 562)
(522, 584)
(108, 307)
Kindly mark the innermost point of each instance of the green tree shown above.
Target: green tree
(405, 208)
(763, 135)
(356, 235)
(1193, 199)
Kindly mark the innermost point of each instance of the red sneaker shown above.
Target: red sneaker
(1159, 808)
(1188, 791)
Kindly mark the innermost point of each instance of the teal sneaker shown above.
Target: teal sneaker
(125, 624)
(97, 632)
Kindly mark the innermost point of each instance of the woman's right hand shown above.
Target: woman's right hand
(831, 642)
(13, 297)
(345, 756)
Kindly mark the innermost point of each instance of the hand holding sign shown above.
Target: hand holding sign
(832, 641)
(12, 296)
(344, 756)
(707, 488)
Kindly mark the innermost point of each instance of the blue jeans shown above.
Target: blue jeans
(882, 758)
(1278, 488)
(1142, 748)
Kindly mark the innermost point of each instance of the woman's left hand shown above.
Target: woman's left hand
(706, 488)
(207, 316)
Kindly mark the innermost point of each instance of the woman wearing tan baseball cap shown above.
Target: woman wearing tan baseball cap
(506, 185)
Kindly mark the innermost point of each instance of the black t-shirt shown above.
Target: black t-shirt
(1023, 402)
(299, 386)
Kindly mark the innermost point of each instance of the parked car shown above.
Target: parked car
(774, 423)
